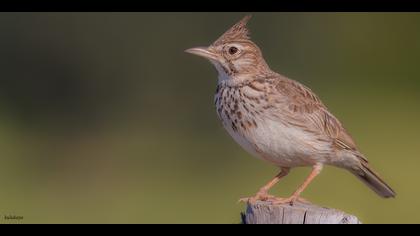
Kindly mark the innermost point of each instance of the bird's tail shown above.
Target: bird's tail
(373, 181)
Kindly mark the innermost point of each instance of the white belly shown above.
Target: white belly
(281, 145)
(267, 136)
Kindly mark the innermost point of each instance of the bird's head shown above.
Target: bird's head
(234, 55)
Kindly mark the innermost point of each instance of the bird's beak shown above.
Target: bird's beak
(203, 52)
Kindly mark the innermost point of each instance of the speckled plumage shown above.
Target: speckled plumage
(278, 119)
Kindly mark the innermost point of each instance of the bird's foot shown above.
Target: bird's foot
(260, 196)
(290, 200)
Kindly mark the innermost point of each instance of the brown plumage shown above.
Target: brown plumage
(278, 119)
(237, 32)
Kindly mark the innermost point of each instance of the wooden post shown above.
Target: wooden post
(267, 213)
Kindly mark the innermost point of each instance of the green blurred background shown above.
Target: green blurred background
(105, 119)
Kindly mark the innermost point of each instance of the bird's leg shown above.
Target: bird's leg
(316, 169)
(262, 194)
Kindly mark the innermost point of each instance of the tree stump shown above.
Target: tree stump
(299, 213)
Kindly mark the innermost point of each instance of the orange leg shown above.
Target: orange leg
(262, 194)
(296, 195)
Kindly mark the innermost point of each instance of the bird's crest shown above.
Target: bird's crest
(237, 32)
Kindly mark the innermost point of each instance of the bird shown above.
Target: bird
(277, 119)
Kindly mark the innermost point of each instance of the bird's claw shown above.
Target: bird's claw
(290, 200)
(274, 200)
(260, 196)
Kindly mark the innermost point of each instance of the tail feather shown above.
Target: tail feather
(372, 180)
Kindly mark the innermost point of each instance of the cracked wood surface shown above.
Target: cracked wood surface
(267, 213)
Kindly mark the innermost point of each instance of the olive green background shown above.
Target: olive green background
(105, 119)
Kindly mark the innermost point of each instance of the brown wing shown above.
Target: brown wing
(307, 111)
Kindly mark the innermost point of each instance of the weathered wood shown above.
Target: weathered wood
(267, 213)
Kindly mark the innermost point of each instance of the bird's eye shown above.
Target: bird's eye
(233, 50)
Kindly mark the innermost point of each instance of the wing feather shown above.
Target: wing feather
(306, 110)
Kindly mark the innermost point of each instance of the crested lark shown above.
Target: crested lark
(277, 119)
